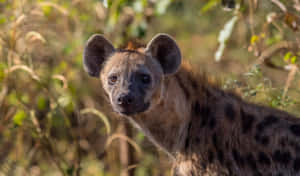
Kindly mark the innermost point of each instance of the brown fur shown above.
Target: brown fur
(210, 132)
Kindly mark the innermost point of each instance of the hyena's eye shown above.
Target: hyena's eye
(146, 79)
(112, 79)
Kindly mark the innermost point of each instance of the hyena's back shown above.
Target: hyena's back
(228, 136)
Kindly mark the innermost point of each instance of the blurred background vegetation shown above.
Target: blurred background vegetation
(54, 119)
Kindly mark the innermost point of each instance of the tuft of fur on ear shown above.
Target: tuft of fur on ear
(164, 48)
(96, 51)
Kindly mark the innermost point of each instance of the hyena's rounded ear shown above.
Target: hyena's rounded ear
(96, 51)
(164, 48)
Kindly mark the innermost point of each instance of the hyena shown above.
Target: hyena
(206, 131)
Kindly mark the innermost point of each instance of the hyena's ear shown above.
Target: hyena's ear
(96, 51)
(163, 48)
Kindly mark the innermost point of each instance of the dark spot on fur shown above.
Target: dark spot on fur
(297, 164)
(268, 121)
(247, 122)
(263, 158)
(282, 157)
(227, 145)
(193, 83)
(210, 156)
(187, 140)
(203, 165)
(196, 109)
(257, 173)
(197, 140)
(212, 123)
(205, 113)
(229, 112)
(220, 155)
(184, 88)
(264, 140)
(282, 142)
(251, 161)
(279, 174)
(295, 129)
(228, 164)
(295, 145)
(214, 140)
(237, 157)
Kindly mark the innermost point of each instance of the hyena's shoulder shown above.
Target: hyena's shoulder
(231, 136)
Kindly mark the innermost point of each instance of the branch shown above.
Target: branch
(289, 80)
(280, 5)
(297, 5)
(269, 52)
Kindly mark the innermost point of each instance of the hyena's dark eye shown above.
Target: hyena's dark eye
(146, 79)
(112, 79)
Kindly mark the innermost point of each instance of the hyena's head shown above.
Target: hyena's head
(132, 78)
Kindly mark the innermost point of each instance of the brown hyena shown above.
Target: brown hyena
(204, 130)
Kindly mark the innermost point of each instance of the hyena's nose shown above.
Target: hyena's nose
(125, 100)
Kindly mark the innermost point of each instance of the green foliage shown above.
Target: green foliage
(209, 5)
(19, 117)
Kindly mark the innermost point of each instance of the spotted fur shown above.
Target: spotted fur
(207, 131)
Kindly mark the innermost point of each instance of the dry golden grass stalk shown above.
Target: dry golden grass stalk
(100, 115)
(33, 36)
(62, 79)
(24, 68)
(123, 137)
(59, 8)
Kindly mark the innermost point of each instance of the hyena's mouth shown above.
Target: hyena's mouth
(133, 110)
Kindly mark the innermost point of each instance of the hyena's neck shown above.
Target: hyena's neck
(167, 124)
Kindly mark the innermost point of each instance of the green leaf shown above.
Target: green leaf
(41, 103)
(209, 5)
(294, 59)
(2, 20)
(13, 99)
(2, 72)
(140, 137)
(19, 117)
(274, 39)
(70, 170)
(46, 10)
(287, 56)
(25, 98)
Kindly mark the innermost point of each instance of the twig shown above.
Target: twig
(280, 5)
(297, 5)
(290, 78)
(251, 11)
(269, 52)
(130, 141)
(77, 142)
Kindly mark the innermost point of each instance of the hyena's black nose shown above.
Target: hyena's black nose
(125, 100)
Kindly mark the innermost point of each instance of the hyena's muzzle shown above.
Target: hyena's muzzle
(129, 97)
